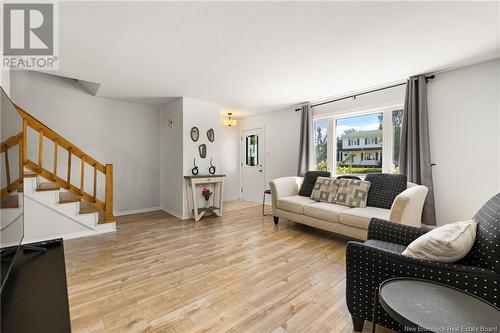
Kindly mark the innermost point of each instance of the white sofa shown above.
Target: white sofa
(352, 222)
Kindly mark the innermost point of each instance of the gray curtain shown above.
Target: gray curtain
(305, 143)
(414, 153)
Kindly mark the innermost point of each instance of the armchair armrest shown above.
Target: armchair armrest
(393, 232)
(408, 205)
(438, 267)
(283, 187)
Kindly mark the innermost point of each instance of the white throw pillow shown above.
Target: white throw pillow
(447, 243)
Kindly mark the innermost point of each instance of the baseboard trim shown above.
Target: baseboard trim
(73, 235)
(173, 213)
(136, 211)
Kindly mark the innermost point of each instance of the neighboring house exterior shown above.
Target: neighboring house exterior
(361, 148)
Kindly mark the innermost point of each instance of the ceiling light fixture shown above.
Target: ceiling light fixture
(228, 121)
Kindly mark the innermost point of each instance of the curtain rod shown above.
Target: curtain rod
(429, 77)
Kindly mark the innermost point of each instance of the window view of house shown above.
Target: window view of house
(359, 144)
(321, 144)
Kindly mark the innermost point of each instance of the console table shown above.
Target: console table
(196, 210)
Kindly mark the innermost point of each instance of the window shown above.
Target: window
(353, 142)
(252, 151)
(371, 141)
(359, 144)
(349, 131)
(321, 144)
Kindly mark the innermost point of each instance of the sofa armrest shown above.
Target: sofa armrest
(393, 232)
(408, 205)
(283, 187)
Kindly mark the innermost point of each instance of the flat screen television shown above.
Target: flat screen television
(11, 209)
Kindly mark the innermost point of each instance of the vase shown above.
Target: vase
(207, 203)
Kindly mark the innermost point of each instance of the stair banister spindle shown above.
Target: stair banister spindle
(69, 168)
(108, 201)
(55, 160)
(25, 141)
(82, 176)
(21, 164)
(40, 150)
(95, 182)
(7, 169)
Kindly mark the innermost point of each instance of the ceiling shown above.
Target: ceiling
(253, 57)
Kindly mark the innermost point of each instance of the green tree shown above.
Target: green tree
(397, 121)
(321, 146)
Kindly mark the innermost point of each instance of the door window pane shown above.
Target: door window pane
(321, 144)
(359, 144)
(397, 121)
(252, 151)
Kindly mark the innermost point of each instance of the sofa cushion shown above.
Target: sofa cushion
(325, 211)
(325, 189)
(294, 203)
(309, 181)
(360, 217)
(384, 189)
(388, 246)
(352, 192)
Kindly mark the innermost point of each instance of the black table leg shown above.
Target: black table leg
(375, 302)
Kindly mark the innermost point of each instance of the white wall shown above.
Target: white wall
(464, 120)
(229, 140)
(177, 151)
(171, 150)
(5, 81)
(122, 133)
(203, 115)
(281, 142)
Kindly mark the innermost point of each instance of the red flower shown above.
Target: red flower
(207, 193)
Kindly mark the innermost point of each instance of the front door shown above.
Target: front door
(252, 165)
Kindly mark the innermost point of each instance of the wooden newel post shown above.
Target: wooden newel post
(108, 202)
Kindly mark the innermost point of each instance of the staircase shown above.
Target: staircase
(87, 211)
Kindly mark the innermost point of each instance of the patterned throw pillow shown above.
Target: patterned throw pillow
(325, 189)
(352, 192)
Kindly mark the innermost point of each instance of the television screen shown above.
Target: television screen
(11, 207)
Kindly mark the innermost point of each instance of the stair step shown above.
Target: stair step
(10, 201)
(30, 175)
(66, 197)
(48, 186)
(88, 208)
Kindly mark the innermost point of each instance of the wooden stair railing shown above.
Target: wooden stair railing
(59, 142)
(12, 185)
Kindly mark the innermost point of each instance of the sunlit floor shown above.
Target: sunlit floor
(235, 273)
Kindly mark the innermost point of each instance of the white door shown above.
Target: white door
(252, 165)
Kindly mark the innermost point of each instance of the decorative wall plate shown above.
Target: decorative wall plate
(211, 135)
(202, 149)
(195, 133)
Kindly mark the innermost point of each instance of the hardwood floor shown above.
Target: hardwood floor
(235, 273)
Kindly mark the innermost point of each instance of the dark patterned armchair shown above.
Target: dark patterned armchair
(379, 258)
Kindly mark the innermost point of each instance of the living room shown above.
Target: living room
(165, 145)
